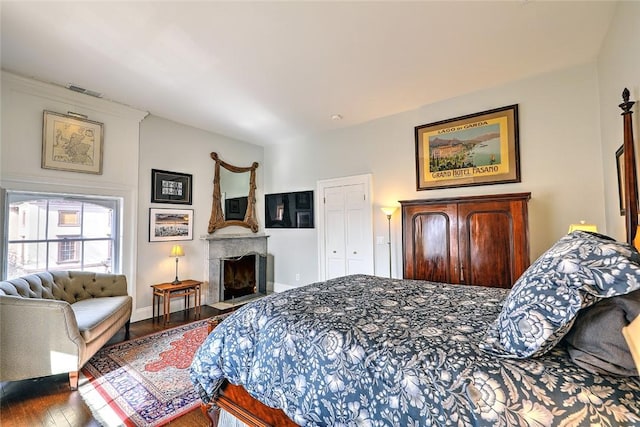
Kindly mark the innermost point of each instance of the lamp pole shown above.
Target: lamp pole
(176, 281)
(389, 242)
(389, 212)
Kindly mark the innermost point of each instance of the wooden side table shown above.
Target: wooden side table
(166, 291)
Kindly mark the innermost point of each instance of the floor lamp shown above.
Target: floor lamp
(388, 212)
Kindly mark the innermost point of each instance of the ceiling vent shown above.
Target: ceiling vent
(83, 90)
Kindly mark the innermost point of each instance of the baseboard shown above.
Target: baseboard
(281, 287)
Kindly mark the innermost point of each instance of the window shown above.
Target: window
(61, 232)
(67, 252)
(68, 218)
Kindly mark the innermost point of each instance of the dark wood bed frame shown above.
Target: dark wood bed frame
(237, 401)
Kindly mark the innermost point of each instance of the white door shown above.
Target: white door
(345, 226)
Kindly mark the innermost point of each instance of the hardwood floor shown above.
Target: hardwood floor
(48, 401)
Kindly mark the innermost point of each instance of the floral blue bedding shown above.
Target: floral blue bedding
(367, 351)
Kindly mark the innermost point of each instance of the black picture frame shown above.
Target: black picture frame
(171, 187)
(289, 210)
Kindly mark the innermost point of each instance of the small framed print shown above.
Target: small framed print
(170, 224)
(170, 187)
(303, 199)
(71, 143)
(304, 219)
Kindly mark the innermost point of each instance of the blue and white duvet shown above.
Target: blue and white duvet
(367, 351)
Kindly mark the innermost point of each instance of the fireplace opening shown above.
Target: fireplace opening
(242, 277)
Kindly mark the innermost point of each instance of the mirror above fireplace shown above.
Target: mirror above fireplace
(234, 198)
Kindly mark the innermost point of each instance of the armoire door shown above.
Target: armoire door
(491, 231)
(431, 242)
(474, 240)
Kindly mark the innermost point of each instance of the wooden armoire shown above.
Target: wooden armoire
(476, 240)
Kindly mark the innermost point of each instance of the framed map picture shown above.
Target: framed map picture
(71, 143)
(476, 149)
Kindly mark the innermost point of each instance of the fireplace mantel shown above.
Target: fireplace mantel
(223, 246)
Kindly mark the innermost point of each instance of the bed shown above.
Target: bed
(369, 351)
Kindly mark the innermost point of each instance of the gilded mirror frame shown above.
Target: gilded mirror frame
(217, 221)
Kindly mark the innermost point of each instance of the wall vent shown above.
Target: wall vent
(79, 89)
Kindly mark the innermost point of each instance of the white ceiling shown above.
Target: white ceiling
(271, 72)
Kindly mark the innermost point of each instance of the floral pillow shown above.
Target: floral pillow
(579, 270)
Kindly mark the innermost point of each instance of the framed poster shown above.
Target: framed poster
(170, 187)
(476, 149)
(71, 143)
(170, 224)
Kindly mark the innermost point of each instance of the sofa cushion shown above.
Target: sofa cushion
(95, 315)
(69, 286)
(40, 285)
(80, 285)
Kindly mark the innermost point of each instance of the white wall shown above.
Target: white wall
(618, 67)
(570, 127)
(23, 102)
(559, 155)
(175, 147)
(132, 147)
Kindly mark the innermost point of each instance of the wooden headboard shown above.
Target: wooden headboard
(630, 175)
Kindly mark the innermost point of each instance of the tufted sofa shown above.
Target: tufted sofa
(53, 322)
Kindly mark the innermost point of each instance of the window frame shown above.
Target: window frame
(114, 240)
(67, 246)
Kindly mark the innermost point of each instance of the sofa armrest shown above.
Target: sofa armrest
(39, 337)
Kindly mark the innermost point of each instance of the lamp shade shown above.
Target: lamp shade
(583, 227)
(389, 210)
(636, 240)
(176, 251)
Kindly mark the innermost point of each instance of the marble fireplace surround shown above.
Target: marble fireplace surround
(223, 246)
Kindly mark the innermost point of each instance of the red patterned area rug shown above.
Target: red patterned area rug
(143, 382)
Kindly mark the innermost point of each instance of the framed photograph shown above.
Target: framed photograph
(170, 187)
(303, 199)
(476, 149)
(620, 167)
(304, 219)
(71, 143)
(170, 224)
(234, 206)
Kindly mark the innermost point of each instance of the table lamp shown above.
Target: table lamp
(583, 227)
(176, 251)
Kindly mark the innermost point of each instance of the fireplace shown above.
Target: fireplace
(233, 256)
(243, 277)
